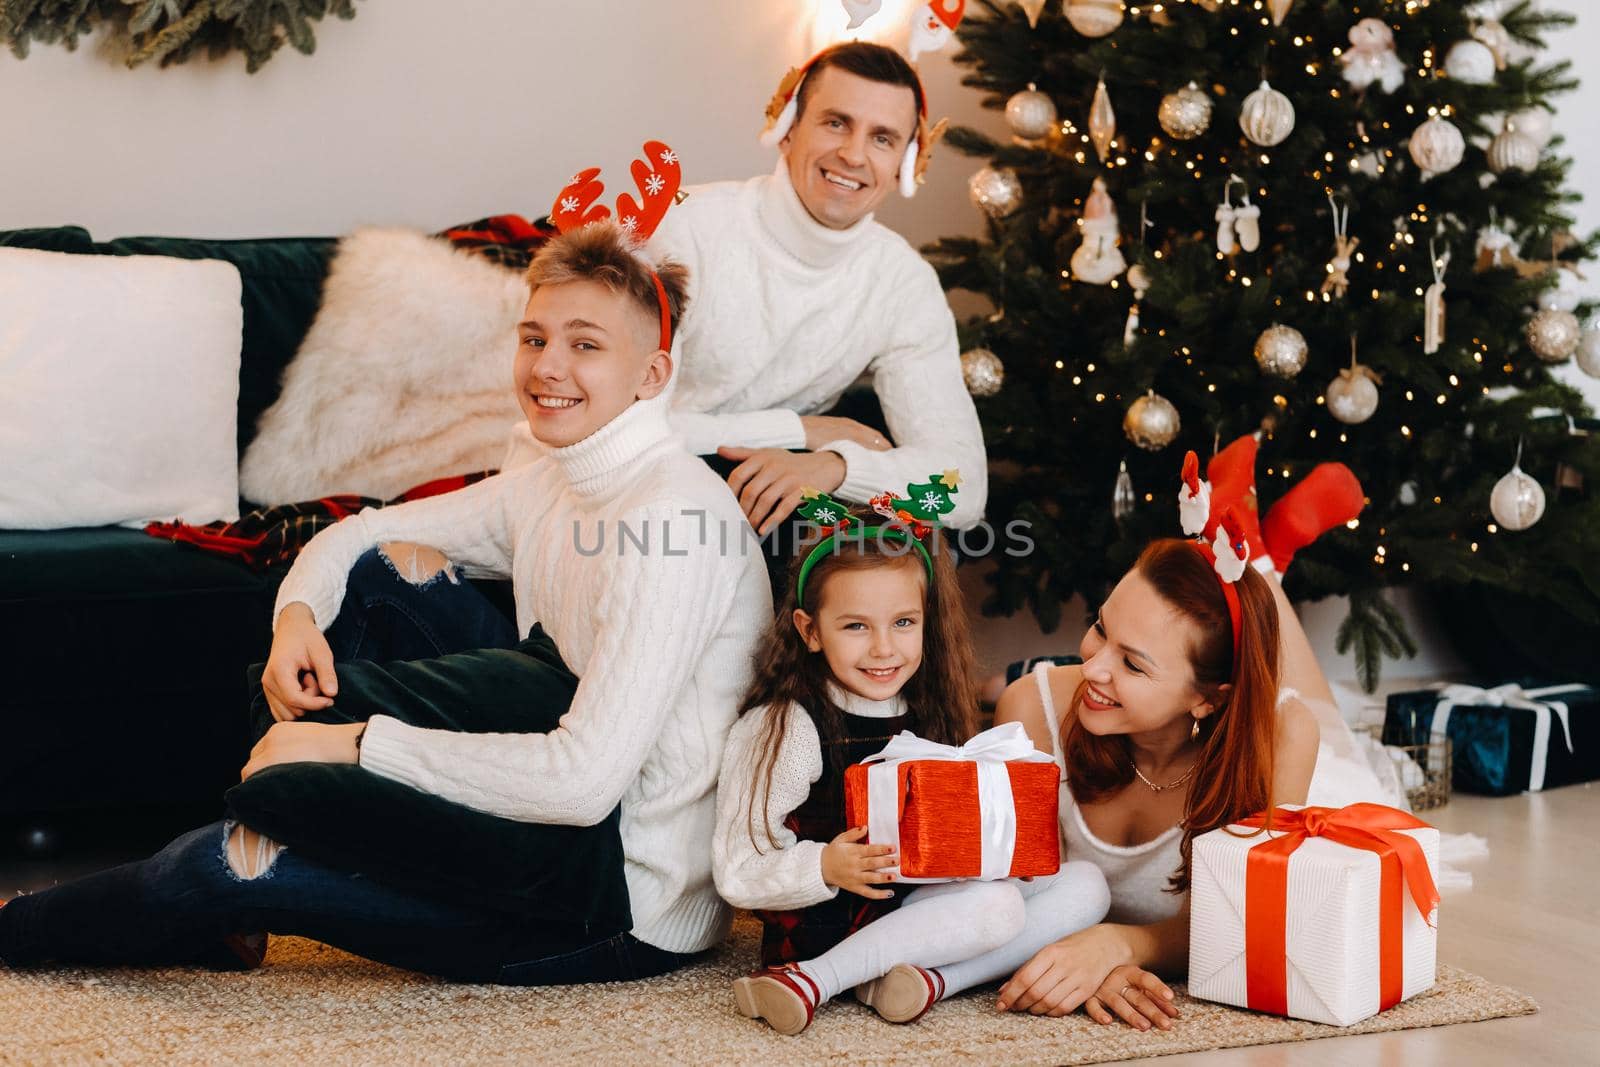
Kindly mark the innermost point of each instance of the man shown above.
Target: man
(796, 292)
(488, 815)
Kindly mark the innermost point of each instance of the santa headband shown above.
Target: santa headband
(911, 519)
(658, 176)
(1219, 539)
(784, 108)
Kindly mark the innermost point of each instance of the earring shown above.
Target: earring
(1194, 731)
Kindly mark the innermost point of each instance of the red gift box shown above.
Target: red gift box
(942, 822)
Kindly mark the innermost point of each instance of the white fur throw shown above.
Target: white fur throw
(404, 376)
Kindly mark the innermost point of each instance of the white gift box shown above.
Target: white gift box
(1331, 943)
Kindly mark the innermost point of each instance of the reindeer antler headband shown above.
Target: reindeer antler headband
(658, 177)
(784, 107)
(1226, 549)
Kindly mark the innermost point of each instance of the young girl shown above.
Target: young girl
(871, 640)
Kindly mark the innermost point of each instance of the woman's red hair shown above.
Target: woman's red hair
(1233, 776)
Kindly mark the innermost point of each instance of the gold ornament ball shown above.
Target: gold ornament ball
(1031, 114)
(1185, 113)
(1554, 335)
(1093, 18)
(1267, 116)
(996, 191)
(1151, 422)
(1352, 397)
(1517, 501)
(1281, 351)
(1589, 352)
(983, 372)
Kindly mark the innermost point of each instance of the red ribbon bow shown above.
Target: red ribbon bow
(1365, 826)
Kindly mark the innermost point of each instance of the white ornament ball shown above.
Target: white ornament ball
(1281, 351)
(1031, 114)
(1267, 116)
(1151, 422)
(1093, 18)
(1185, 113)
(1352, 397)
(1513, 150)
(983, 372)
(1437, 146)
(1561, 298)
(1517, 501)
(1554, 335)
(1589, 352)
(1471, 62)
(1534, 122)
(996, 191)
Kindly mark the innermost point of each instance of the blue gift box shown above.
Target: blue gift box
(1507, 739)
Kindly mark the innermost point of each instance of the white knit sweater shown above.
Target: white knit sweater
(661, 638)
(753, 869)
(785, 314)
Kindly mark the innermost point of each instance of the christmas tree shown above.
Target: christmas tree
(1209, 210)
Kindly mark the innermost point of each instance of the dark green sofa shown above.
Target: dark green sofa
(125, 654)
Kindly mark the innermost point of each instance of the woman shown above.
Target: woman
(1166, 730)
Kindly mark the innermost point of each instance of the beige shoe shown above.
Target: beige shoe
(784, 996)
(904, 995)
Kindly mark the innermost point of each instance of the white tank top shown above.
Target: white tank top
(1136, 874)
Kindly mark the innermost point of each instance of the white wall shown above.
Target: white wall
(410, 116)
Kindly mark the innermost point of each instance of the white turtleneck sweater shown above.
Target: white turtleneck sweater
(785, 314)
(779, 871)
(661, 638)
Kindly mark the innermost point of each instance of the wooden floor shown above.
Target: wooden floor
(1531, 922)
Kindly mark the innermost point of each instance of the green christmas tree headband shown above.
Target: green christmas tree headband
(911, 518)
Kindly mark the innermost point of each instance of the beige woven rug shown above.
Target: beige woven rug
(315, 1005)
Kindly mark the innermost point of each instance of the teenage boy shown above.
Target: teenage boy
(489, 816)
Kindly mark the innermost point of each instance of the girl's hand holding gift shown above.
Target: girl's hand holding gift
(856, 867)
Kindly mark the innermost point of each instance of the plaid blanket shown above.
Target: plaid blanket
(509, 240)
(272, 537)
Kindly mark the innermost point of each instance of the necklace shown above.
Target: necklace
(1170, 785)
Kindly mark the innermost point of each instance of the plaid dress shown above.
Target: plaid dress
(805, 933)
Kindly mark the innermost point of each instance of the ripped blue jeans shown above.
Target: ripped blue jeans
(388, 615)
(178, 906)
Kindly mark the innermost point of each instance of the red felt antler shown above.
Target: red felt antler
(575, 205)
(658, 176)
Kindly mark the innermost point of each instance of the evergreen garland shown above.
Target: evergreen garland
(1447, 425)
(172, 31)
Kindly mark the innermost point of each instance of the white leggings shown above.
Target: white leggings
(973, 932)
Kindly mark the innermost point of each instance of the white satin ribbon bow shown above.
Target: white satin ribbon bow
(991, 751)
(1511, 695)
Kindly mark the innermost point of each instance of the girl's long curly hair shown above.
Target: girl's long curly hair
(941, 697)
(1233, 775)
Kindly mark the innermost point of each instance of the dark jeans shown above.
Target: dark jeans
(373, 866)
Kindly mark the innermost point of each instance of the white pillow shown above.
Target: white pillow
(404, 376)
(119, 389)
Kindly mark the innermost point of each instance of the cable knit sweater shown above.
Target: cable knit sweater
(783, 872)
(661, 638)
(785, 314)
